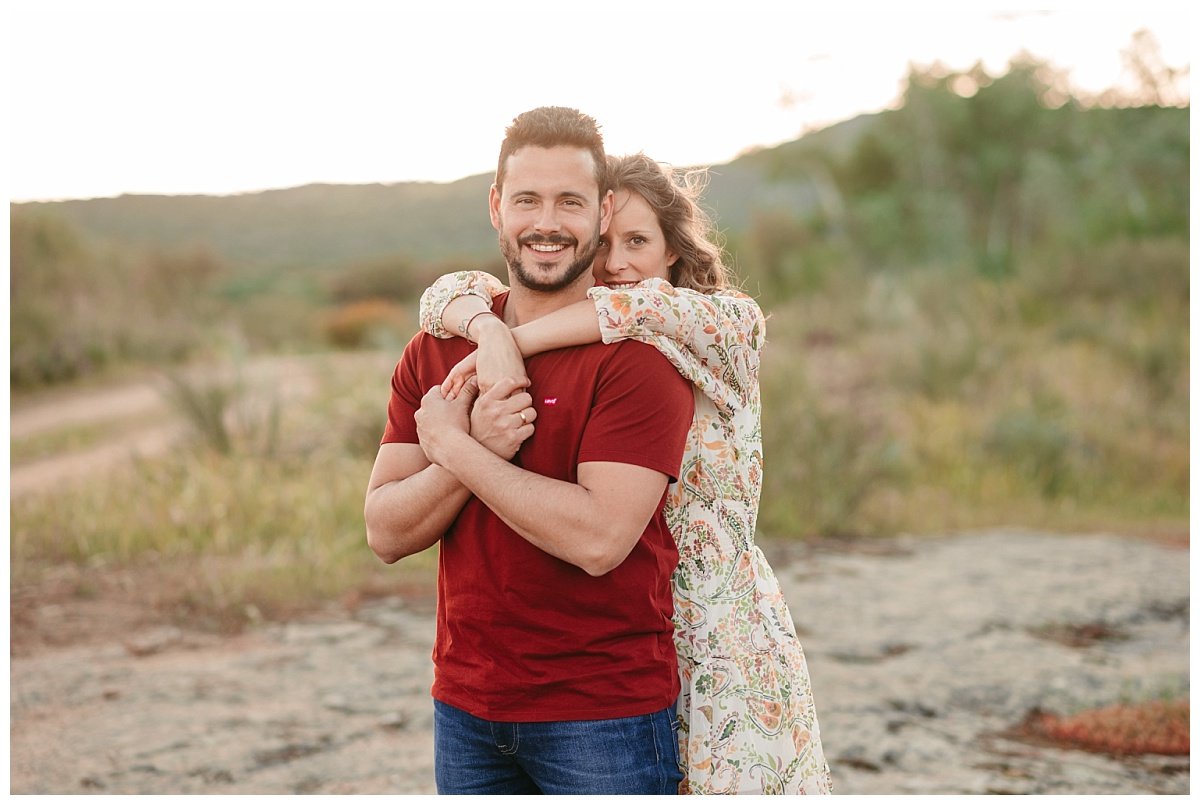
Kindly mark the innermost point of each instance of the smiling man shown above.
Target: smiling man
(555, 667)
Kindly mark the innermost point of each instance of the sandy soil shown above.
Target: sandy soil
(924, 653)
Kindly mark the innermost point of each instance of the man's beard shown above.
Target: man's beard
(526, 278)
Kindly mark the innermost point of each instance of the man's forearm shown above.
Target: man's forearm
(558, 517)
(407, 516)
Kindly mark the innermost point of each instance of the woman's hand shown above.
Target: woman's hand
(462, 371)
(497, 357)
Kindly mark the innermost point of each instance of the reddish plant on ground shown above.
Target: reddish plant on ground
(1146, 728)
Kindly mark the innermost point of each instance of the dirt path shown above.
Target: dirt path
(923, 653)
(43, 413)
(143, 399)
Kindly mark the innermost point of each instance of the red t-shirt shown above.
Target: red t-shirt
(521, 635)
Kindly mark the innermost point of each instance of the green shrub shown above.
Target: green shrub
(1036, 446)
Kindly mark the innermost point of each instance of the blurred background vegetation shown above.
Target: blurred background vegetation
(978, 312)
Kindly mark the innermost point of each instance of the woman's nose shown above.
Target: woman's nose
(614, 260)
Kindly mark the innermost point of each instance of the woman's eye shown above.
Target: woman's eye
(637, 241)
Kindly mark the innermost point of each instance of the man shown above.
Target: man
(555, 666)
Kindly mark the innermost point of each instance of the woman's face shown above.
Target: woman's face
(634, 248)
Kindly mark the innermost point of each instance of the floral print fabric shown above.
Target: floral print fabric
(747, 716)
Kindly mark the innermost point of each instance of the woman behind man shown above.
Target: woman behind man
(747, 719)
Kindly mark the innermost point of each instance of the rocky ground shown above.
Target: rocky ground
(924, 654)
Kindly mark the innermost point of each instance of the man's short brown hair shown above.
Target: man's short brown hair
(550, 127)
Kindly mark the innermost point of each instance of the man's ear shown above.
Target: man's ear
(606, 211)
(494, 206)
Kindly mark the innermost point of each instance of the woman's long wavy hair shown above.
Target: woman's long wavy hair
(689, 230)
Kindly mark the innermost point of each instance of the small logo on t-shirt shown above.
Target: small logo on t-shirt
(550, 401)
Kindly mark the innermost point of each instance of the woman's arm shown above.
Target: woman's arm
(460, 304)
(714, 340)
(436, 313)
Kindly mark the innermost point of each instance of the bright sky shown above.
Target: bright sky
(226, 96)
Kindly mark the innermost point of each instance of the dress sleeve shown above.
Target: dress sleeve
(449, 287)
(714, 340)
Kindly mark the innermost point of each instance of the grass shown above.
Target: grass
(231, 535)
(931, 402)
(927, 401)
(70, 438)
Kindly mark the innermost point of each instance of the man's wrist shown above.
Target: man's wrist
(447, 445)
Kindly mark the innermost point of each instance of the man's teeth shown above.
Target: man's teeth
(547, 247)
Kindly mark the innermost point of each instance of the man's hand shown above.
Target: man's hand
(439, 420)
(502, 418)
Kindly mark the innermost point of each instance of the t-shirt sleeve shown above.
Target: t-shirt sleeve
(642, 412)
(405, 398)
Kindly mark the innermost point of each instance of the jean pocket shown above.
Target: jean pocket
(675, 749)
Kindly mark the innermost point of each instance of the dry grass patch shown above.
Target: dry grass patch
(1145, 728)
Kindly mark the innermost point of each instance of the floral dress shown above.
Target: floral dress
(748, 724)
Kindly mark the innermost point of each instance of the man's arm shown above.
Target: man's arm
(592, 524)
(410, 502)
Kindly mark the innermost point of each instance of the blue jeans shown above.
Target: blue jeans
(637, 755)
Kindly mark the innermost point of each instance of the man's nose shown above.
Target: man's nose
(547, 221)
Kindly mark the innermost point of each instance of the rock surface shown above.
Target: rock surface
(924, 653)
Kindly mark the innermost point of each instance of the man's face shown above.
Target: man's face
(549, 216)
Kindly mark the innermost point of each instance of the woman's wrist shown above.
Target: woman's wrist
(478, 325)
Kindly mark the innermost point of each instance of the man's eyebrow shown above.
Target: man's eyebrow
(572, 194)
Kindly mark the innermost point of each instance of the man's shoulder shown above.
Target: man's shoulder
(632, 349)
(423, 343)
(643, 365)
(425, 355)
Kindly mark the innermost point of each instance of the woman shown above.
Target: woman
(747, 720)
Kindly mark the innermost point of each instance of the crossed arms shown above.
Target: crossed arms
(465, 446)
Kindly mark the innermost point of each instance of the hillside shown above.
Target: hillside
(323, 225)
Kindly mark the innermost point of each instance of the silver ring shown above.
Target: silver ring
(521, 414)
